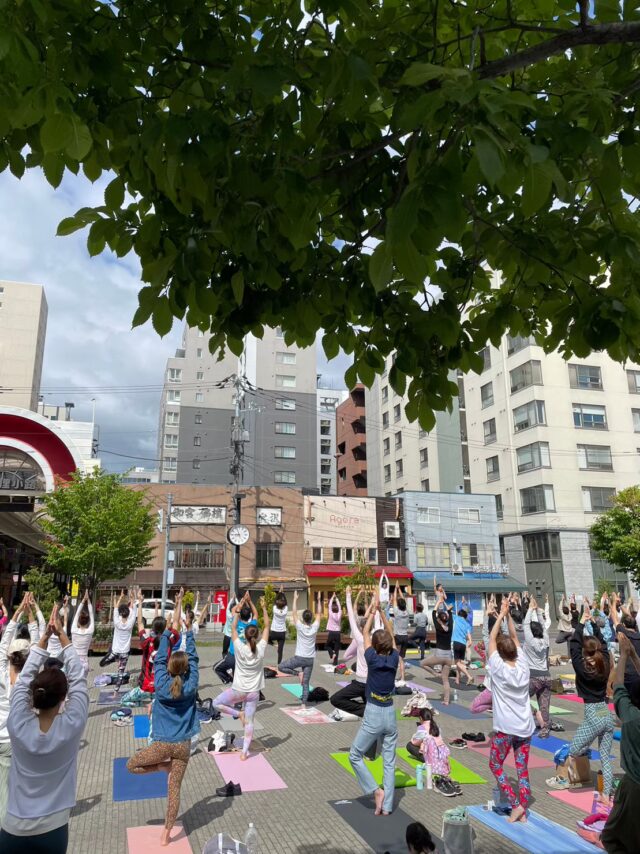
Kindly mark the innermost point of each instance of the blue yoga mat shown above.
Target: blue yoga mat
(141, 726)
(457, 711)
(296, 690)
(538, 834)
(551, 744)
(137, 787)
(617, 735)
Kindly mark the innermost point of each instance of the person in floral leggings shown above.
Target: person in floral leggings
(512, 720)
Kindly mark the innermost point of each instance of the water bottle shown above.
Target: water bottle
(420, 777)
(251, 840)
(455, 696)
(429, 775)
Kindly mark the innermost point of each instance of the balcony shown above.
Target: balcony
(199, 558)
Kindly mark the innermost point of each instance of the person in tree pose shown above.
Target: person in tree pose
(82, 630)
(334, 623)
(301, 664)
(124, 617)
(443, 625)
(278, 633)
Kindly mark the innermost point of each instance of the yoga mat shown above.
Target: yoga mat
(307, 716)
(457, 711)
(510, 762)
(459, 772)
(415, 686)
(254, 774)
(573, 698)
(581, 800)
(554, 710)
(538, 834)
(296, 689)
(617, 735)
(384, 835)
(146, 840)
(551, 744)
(137, 787)
(106, 698)
(403, 780)
(570, 677)
(235, 724)
(343, 684)
(141, 726)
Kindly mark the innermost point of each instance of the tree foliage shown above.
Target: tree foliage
(362, 576)
(615, 535)
(99, 530)
(257, 153)
(40, 582)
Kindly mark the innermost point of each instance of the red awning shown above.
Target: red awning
(337, 570)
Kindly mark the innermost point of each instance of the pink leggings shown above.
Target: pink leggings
(482, 702)
(226, 702)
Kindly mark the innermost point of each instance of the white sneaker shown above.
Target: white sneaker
(336, 715)
(400, 683)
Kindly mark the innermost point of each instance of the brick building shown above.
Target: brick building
(351, 441)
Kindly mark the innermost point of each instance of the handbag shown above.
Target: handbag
(415, 703)
(457, 834)
(222, 843)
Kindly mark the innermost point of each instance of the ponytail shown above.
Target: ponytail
(176, 687)
(250, 635)
(178, 665)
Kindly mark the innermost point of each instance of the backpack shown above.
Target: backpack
(205, 711)
(436, 755)
(270, 674)
(318, 695)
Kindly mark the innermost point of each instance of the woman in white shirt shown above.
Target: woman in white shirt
(248, 677)
(82, 631)
(44, 743)
(278, 631)
(513, 724)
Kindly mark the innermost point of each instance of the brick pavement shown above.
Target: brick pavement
(297, 819)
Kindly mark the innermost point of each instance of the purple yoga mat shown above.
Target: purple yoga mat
(416, 687)
(343, 684)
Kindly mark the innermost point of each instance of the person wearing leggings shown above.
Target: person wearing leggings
(334, 621)
(124, 617)
(443, 626)
(248, 677)
(173, 721)
(278, 633)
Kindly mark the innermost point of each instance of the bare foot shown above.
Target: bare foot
(518, 814)
(379, 799)
(244, 757)
(165, 837)
(469, 680)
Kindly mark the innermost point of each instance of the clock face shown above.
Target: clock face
(238, 535)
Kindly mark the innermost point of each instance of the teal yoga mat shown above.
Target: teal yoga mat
(295, 689)
(538, 834)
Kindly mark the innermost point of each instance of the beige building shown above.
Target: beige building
(23, 327)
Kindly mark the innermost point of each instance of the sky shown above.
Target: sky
(91, 350)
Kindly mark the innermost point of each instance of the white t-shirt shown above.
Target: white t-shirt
(306, 642)
(249, 672)
(510, 693)
(121, 643)
(279, 622)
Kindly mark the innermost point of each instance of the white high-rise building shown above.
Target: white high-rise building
(23, 328)
(328, 400)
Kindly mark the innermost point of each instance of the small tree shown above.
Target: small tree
(100, 530)
(41, 584)
(362, 576)
(189, 599)
(615, 535)
(269, 599)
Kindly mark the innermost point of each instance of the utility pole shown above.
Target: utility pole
(238, 438)
(167, 550)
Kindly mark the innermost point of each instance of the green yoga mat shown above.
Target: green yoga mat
(459, 773)
(403, 780)
(553, 710)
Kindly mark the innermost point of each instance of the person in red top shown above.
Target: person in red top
(149, 644)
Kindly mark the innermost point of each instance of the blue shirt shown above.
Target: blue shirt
(240, 630)
(381, 676)
(175, 720)
(460, 630)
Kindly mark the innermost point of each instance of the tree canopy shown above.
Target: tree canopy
(98, 529)
(258, 152)
(615, 535)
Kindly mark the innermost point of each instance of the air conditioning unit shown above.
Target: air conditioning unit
(456, 569)
(391, 530)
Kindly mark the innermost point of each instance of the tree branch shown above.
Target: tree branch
(615, 33)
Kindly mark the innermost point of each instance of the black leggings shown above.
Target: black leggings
(280, 638)
(333, 646)
(226, 643)
(53, 842)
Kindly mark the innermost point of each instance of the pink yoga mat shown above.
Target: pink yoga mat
(573, 698)
(254, 775)
(146, 840)
(582, 800)
(534, 760)
(309, 716)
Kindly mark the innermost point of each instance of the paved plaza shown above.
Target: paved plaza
(299, 818)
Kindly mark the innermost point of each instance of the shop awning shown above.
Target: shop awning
(469, 583)
(337, 570)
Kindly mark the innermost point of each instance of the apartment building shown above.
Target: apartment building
(23, 328)
(400, 455)
(351, 437)
(329, 401)
(553, 441)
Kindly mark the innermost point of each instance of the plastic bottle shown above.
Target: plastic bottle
(429, 776)
(455, 696)
(420, 777)
(251, 839)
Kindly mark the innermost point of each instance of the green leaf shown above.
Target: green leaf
(237, 285)
(80, 142)
(380, 266)
(351, 376)
(53, 168)
(96, 239)
(490, 157)
(114, 194)
(410, 263)
(56, 132)
(162, 317)
(330, 345)
(366, 373)
(69, 225)
(536, 190)
(420, 73)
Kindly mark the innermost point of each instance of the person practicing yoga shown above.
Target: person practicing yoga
(248, 617)
(173, 720)
(513, 723)
(379, 720)
(45, 740)
(334, 622)
(226, 639)
(124, 617)
(400, 628)
(536, 626)
(482, 702)
(352, 698)
(461, 642)
(82, 630)
(443, 626)
(248, 677)
(419, 636)
(278, 633)
(301, 664)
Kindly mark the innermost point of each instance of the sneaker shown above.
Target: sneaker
(559, 783)
(261, 697)
(231, 790)
(445, 788)
(336, 715)
(544, 733)
(556, 727)
(458, 743)
(474, 736)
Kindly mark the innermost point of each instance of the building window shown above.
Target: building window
(493, 468)
(325, 466)
(585, 376)
(268, 555)
(589, 417)
(597, 499)
(200, 333)
(197, 418)
(271, 516)
(285, 358)
(316, 554)
(285, 381)
(534, 456)
(337, 554)
(286, 403)
(286, 453)
(171, 440)
(385, 393)
(199, 375)
(386, 446)
(433, 554)
(633, 378)
(485, 355)
(348, 555)
(325, 427)
(526, 375)
(424, 457)
(385, 420)
(175, 375)
(486, 395)
(392, 555)
(199, 353)
(529, 415)
(398, 440)
(197, 441)
(399, 468)
(387, 474)
(469, 515)
(284, 477)
(325, 447)
(428, 515)
(421, 555)
(544, 546)
(372, 556)
(490, 434)
(537, 499)
(424, 485)
(499, 509)
(635, 415)
(173, 395)
(170, 464)
(422, 434)
(397, 412)
(515, 343)
(199, 397)
(595, 457)
(172, 418)
(279, 332)
(285, 427)
(196, 463)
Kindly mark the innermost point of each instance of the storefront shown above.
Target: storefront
(322, 579)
